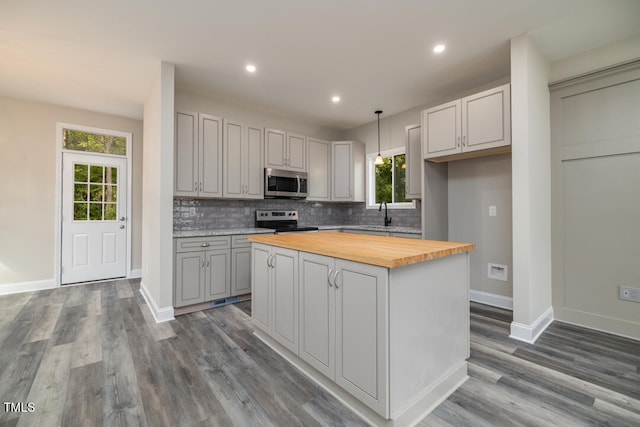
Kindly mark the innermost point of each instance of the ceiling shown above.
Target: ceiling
(374, 54)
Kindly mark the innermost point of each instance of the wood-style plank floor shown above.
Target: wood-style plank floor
(92, 355)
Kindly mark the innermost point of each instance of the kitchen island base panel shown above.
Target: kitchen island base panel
(426, 402)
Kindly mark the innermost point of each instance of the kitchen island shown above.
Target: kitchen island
(380, 322)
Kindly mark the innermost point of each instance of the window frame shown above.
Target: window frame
(370, 181)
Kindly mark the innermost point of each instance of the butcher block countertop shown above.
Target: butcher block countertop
(390, 252)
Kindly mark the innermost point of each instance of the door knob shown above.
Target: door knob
(122, 218)
(121, 227)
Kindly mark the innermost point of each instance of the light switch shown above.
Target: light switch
(492, 211)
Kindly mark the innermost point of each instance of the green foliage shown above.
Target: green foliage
(94, 142)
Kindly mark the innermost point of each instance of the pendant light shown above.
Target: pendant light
(378, 157)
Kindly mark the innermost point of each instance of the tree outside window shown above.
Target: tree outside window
(390, 178)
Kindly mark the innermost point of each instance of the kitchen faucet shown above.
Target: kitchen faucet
(387, 220)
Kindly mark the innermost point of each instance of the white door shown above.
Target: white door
(94, 222)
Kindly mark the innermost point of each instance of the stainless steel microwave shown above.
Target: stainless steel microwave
(285, 184)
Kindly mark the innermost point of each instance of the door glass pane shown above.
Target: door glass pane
(96, 192)
(80, 211)
(110, 212)
(97, 174)
(95, 211)
(94, 142)
(81, 173)
(80, 192)
(97, 185)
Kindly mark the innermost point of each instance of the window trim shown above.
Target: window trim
(370, 197)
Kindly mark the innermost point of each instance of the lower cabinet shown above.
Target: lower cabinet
(211, 268)
(202, 270)
(274, 305)
(343, 325)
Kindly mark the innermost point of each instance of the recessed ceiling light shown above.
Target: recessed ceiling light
(439, 48)
(251, 68)
(335, 99)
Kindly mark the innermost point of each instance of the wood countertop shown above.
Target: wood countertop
(390, 252)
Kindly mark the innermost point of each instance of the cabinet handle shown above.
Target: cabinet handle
(329, 277)
(200, 186)
(335, 279)
(195, 184)
(205, 245)
(207, 263)
(458, 142)
(464, 140)
(202, 263)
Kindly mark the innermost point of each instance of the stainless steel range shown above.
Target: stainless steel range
(281, 221)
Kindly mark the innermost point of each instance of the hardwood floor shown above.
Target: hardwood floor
(92, 355)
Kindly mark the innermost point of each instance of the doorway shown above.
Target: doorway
(94, 226)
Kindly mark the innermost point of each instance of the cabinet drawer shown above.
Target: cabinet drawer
(192, 244)
(240, 241)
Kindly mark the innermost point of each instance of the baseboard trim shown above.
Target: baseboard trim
(163, 314)
(135, 274)
(530, 333)
(494, 300)
(37, 285)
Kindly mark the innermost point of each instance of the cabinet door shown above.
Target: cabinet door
(342, 171)
(260, 290)
(218, 278)
(413, 183)
(284, 297)
(253, 165)
(233, 159)
(362, 333)
(210, 128)
(189, 283)
(186, 180)
(275, 149)
(441, 130)
(240, 271)
(319, 169)
(296, 152)
(317, 313)
(486, 119)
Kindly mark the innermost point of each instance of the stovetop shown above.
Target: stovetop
(281, 221)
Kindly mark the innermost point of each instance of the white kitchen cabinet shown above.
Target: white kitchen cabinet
(243, 148)
(348, 171)
(466, 127)
(240, 265)
(342, 327)
(202, 270)
(413, 158)
(275, 293)
(319, 169)
(285, 150)
(198, 155)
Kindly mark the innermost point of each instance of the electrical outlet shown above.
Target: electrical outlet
(492, 211)
(628, 293)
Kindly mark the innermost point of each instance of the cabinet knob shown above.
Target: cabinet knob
(204, 244)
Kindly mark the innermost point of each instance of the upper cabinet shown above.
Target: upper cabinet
(285, 150)
(413, 147)
(243, 148)
(473, 126)
(198, 155)
(347, 171)
(319, 169)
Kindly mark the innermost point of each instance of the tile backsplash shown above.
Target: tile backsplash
(201, 214)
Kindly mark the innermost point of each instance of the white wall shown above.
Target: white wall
(157, 204)
(474, 185)
(27, 194)
(531, 190)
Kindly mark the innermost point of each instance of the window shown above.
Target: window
(386, 182)
(78, 140)
(95, 192)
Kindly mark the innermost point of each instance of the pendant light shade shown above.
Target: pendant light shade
(378, 157)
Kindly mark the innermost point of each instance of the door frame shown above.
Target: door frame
(60, 126)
